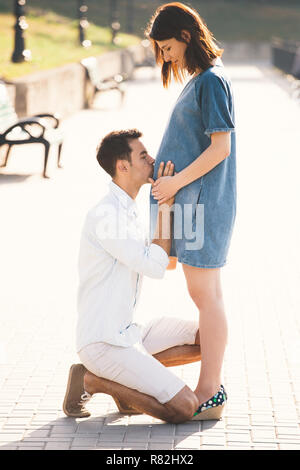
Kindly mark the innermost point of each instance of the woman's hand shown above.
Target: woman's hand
(164, 172)
(165, 187)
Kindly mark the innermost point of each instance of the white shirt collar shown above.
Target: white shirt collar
(125, 200)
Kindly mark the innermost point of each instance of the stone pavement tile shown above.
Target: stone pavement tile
(8, 395)
(14, 383)
(213, 440)
(116, 420)
(27, 407)
(263, 434)
(6, 410)
(286, 415)
(165, 429)
(3, 422)
(162, 446)
(29, 400)
(188, 428)
(213, 426)
(37, 433)
(144, 419)
(63, 429)
(238, 427)
(88, 427)
(57, 446)
(288, 430)
(17, 422)
(135, 437)
(237, 421)
(186, 448)
(286, 422)
(187, 443)
(264, 446)
(33, 392)
(46, 439)
(261, 419)
(83, 448)
(37, 443)
(135, 446)
(240, 436)
(165, 439)
(287, 446)
(33, 428)
(21, 413)
(10, 436)
(112, 429)
(60, 421)
(8, 447)
(211, 447)
(288, 407)
(237, 446)
(287, 440)
(129, 440)
(112, 437)
(90, 441)
(144, 430)
(260, 404)
(31, 448)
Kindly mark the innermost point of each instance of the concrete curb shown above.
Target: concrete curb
(62, 90)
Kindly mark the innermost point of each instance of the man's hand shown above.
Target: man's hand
(163, 170)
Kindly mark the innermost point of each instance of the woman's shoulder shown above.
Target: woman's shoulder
(214, 73)
(214, 76)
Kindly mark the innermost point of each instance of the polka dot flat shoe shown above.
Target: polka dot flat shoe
(212, 408)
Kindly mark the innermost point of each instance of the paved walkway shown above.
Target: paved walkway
(40, 229)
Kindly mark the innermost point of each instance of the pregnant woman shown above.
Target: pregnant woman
(200, 140)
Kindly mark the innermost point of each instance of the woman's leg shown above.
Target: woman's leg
(204, 286)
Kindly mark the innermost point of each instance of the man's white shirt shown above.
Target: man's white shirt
(113, 258)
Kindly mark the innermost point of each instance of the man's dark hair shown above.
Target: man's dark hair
(115, 146)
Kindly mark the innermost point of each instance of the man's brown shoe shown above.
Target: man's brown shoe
(76, 397)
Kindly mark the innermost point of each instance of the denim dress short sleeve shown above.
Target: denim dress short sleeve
(204, 210)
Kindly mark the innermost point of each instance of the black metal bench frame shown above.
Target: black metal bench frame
(37, 121)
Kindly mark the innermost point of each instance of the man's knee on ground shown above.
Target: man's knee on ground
(182, 407)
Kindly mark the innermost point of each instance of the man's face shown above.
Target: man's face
(142, 164)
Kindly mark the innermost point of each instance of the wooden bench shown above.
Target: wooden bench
(286, 56)
(98, 84)
(148, 58)
(39, 129)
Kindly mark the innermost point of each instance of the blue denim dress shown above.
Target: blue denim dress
(204, 211)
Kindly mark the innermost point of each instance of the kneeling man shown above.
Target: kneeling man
(119, 357)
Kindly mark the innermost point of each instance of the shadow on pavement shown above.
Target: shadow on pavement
(12, 178)
(103, 432)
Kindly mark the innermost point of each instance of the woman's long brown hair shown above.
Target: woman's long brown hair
(168, 22)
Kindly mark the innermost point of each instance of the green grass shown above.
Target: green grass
(52, 32)
(53, 41)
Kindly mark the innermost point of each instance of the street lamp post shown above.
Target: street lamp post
(83, 23)
(20, 53)
(129, 15)
(114, 23)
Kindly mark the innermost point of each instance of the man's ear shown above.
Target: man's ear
(122, 166)
(186, 35)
